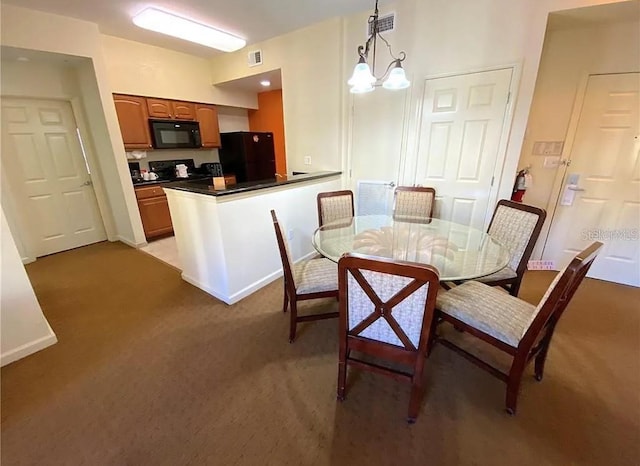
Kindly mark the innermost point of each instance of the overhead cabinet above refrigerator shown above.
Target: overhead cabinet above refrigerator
(248, 155)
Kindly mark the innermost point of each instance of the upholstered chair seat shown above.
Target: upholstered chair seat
(316, 275)
(505, 274)
(488, 309)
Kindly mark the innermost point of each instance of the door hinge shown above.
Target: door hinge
(492, 178)
(509, 97)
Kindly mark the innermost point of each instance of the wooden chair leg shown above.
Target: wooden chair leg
(286, 300)
(342, 373)
(513, 383)
(415, 397)
(541, 357)
(293, 320)
(539, 364)
(432, 335)
(514, 288)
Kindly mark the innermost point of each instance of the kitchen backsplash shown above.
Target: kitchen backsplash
(199, 156)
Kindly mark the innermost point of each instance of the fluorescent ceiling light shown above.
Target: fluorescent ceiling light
(182, 28)
(265, 83)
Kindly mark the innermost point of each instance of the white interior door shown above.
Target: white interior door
(48, 177)
(600, 197)
(376, 146)
(460, 143)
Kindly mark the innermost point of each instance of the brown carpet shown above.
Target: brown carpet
(152, 371)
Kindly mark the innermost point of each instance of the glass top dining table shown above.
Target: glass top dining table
(459, 252)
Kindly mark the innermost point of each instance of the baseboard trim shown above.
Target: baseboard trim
(28, 349)
(234, 298)
(246, 291)
(131, 243)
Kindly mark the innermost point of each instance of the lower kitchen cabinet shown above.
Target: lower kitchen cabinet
(154, 211)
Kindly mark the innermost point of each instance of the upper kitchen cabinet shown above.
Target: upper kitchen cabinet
(207, 116)
(134, 121)
(171, 109)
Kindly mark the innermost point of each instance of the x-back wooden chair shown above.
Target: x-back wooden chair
(514, 326)
(309, 279)
(386, 311)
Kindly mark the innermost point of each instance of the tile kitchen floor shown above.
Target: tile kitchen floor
(164, 249)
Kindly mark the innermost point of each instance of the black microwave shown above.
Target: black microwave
(173, 134)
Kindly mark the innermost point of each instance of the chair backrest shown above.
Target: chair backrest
(517, 226)
(559, 293)
(413, 203)
(334, 205)
(387, 301)
(285, 253)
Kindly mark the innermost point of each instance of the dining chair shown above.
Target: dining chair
(334, 205)
(308, 279)
(517, 226)
(413, 203)
(512, 325)
(386, 312)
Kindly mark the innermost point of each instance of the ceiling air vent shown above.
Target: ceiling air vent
(386, 23)
(255, 57)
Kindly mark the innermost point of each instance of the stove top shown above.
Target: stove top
(192, 176)
(166, 169)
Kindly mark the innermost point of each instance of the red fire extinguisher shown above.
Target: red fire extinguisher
(520, 185)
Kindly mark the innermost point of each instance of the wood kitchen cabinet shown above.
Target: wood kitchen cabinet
(171, 109)
(207, 116)
(134, 121)
(154, 211)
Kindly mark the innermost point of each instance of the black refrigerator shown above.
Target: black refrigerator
(249, 155)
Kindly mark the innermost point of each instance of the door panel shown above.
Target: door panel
(459, 141)
(605, 157)
(48, 176)
(376, 129)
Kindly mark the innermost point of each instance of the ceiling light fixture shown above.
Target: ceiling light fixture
(182, 28)
(265, 83)
(363, 78)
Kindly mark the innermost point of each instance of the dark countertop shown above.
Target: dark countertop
(205, 186)
(137, 184)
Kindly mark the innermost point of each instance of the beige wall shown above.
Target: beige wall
(141, 69)
(55, 80)
(569, 56)
(439, 36)
(59, 34)
(23, 327)
(310, 61)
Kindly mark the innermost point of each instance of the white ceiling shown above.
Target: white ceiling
(253, 20)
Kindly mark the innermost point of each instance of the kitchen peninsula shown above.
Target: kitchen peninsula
(225, 237)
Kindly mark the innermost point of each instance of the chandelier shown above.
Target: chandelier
(363, 78)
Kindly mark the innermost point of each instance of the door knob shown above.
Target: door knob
(87, 183)
(575, 188)
(391, 184)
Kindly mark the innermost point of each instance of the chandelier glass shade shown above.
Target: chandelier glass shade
(363, 78)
